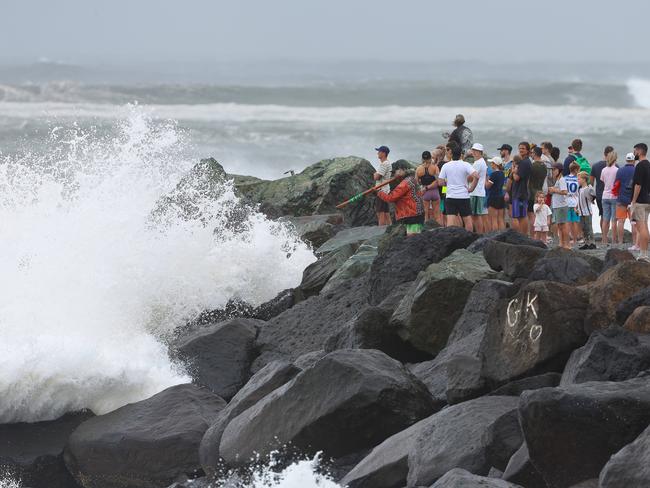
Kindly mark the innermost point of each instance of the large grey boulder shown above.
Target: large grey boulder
(514, 260)
(33, 452)
(354, 236)
(348, 401)
(460, 478)
(145, 444)
(357, 265)
(317, 229)
(572, 431)
(474, 435)
(625, 308)
(610, 289)
(318, 273)
(630, 466)
(613, 354)
(220, 356)
(509, 236)
(427, 314)
(307, 326)
(316, 190)
(565, 269)
(401, 260)
(522, 471)
(266, 380)
(534, 332)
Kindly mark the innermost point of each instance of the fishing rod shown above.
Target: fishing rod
(359, 196)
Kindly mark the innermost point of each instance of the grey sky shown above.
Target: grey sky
(127, 31)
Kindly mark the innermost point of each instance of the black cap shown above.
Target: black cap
(383, 149)
(426, 155)
(507, 147)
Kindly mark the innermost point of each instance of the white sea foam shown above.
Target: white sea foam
(560, 119)
(7, 482)
(90, 284)
(640, 91)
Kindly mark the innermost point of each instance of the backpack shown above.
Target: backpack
(584, 164)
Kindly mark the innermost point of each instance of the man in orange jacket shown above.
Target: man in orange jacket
(409, 207)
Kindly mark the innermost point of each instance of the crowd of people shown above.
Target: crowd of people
(532, 191)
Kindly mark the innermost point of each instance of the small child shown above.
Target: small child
(586, 197)
(542, 213)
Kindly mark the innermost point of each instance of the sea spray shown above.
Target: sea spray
(91, 282)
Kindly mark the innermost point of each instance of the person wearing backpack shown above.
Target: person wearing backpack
(575, 155)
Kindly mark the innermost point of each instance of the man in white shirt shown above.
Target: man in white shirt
(477, 197)
(460, 178)
(381, 175)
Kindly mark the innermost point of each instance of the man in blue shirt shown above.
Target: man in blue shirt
(520, 179)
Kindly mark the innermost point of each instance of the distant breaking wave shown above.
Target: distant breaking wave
(640, 91)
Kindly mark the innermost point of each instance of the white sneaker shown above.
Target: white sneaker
(645, 259)
(633, 248)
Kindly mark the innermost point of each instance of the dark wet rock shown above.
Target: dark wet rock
(465, 341)
(517, 387)
(594, 261)
(534, 332)
(509, 236)
(354, 236)
(347, 401)
(475, 435)
(317, 274)
(401, 260)
(317, 229)
(266, 380)
(616, 256)
(612, 354)
(465, 379)
(144, 444)
(219, 357)
(630, 466)
(428, 313)
(357, 265)
(316, 190)
(515, 261)
(308, 359)
(460, 478)
(234, 308)
(611, 288)
(307, 326)
(520, 470)
(626, 307)
(639, 320)
(33, 452)
(572, 431)
(281, 303)
(563, 269)
(372, 329)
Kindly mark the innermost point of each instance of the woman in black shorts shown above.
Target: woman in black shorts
(496, 203)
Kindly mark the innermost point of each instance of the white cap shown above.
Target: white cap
(629, 157)
(496, 160)
(477, 147)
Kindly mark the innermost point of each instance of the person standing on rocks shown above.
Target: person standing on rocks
(520, 180)
(596, 171)
(575, 156)
(460, 178)
(560, 207)
(541, 212)
(496, 202)
(607, 179)
(572, 199)
(624, 189)
(640, 205)
(427, 174)
(477, 197)
(382, 175)
(461, 135)
(537, 183)
(586, 197)
(409, 207)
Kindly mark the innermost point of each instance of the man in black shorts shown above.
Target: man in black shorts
(460, 178)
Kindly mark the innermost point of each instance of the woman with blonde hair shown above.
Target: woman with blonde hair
(608, 177)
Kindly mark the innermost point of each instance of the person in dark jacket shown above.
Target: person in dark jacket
(461, 135)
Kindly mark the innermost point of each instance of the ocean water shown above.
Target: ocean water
(269, 130)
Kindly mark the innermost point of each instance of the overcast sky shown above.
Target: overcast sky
(128, 31)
